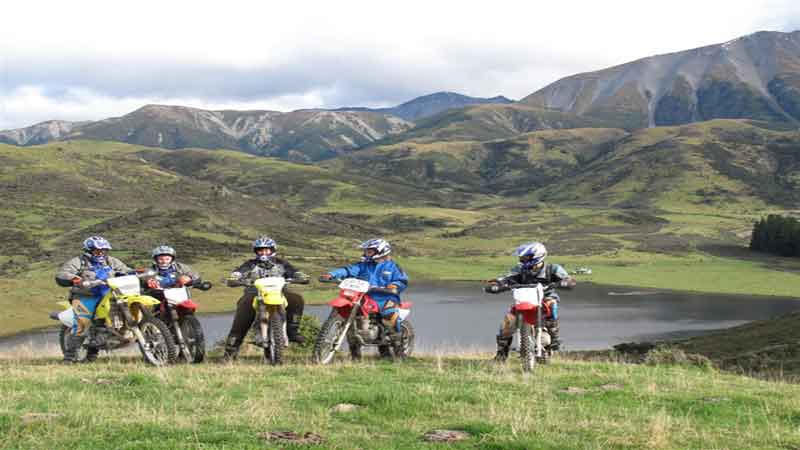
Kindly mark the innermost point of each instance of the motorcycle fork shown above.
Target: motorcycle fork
(176, 326)
(346, 328)
(263, 323)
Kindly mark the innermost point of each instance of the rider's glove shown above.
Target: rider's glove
(491, 289)
(76, 281)
(152, 283)
(326, 277)
(184, 280)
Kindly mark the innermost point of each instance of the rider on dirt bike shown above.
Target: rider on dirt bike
(170, 272)
(80, 273)
(378, 268)
(531, 270)
(265, 264)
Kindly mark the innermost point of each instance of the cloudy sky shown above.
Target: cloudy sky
(87, 60)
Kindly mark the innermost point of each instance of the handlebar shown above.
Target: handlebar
(496, 288)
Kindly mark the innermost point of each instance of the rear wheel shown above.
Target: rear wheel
(329, 335)
(63, 335)
(193, 337)
(155, 341)
(273, 352)
(526, 351)
(405, 347)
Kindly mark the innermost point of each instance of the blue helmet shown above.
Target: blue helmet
(381, 247)
(265, 242)
(531, 254)
(96, 243)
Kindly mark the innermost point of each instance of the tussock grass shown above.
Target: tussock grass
(227, 406)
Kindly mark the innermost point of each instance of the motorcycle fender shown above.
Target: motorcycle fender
(67, 317)
(145, 300)
(340, 302)
(403, 313)
(529, 316)
(103, 308)
(525, 307)
(188, 304)
(275, 298)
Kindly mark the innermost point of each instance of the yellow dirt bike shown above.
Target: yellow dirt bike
(127, 317)
(270, 323)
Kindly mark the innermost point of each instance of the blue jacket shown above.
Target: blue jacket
(377, 274)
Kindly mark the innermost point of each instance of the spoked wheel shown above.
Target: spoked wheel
(193, 337)
(273, 351)
(63, 334)
(329, 335)
(405, 346)
(155, 341)
(527, 353)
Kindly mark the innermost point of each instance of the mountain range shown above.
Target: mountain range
(753, 77)
(302, 135)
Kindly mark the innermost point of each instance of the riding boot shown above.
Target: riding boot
(293, 328)
(231, 349)
(96, 340)
(503, 347)
(71, 346)
(552, 329)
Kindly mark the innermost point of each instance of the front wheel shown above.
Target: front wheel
(526, 347)
(193, 337)
(155, 342)
(329, 336)
(273, 352)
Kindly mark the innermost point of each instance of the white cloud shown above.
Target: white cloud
(93, 59)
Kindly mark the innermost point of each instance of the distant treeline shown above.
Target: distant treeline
(777, 234)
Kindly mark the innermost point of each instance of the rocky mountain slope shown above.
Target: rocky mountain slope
(304, 135)
(755, 76)
(432, 104)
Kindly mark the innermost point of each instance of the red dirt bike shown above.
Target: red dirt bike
(356, 317)
(530, 311)
(177, 310)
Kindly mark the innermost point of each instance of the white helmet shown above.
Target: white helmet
(531, 254)
(381, 247)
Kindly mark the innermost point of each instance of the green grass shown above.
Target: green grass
(566, 405)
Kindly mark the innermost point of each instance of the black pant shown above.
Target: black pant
(245, 314)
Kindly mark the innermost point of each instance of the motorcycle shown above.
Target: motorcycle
(530, 311)
(126, 317)
(356, 317)
(270, 322)
(177, 310)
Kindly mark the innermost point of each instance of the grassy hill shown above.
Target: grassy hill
(566, 405)
(487, 122)
(437, 205)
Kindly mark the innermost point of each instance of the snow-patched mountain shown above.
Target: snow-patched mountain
(304, 135)
(51, 130)
(755, 77)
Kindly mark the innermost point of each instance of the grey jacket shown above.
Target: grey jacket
(81, 266)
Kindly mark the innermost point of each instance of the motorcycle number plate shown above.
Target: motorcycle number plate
(270, 284)
(529, 295)
(127, 285)
(354, 284)
(176, 295)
